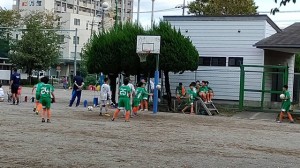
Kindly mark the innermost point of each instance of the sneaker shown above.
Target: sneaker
(146, 110)
(43, 120)
(112, 119)
(37, 113)
(292, 122)
(278, 121)
(48, 121)
(34, 109)
(126, 120)
(100, 114)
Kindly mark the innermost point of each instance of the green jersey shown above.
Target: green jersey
(203, 89)
(192, 94)
(45, 91)
(38, 85)
(124, 91)
(287, 96)
(140, 92)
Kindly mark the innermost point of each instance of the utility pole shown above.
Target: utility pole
(122, 11)
(138, 12)
(183, 8)
(75, 55)
(116, 17)
(102, 19)
(152, 14)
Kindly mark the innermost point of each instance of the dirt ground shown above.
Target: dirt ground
(80, 138)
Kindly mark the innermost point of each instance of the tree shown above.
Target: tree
(198, 7)
(223, 7)
(113, 52)
(38, 48)
(282, 2)
(178, 54)
(8, 18)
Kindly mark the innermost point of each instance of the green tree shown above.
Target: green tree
(178, 54)
(38, 48)
(114, 52)
(8, 19)
(198, 7)
(223, 7)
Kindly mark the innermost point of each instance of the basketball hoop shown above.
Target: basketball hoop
(143, 55)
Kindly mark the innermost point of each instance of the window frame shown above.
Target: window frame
(236, 61)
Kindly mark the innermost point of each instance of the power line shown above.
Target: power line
(174, 9)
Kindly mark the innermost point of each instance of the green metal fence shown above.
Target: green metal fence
(265, 70)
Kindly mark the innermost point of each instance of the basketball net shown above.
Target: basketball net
(143, 55)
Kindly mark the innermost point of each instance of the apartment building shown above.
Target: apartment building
(84, 15)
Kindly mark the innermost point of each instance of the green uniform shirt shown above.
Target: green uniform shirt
(38, 85)
(45, 91)
(203, 89)
(286, 103)
(192, 94)
(124, 91)
(140, 92)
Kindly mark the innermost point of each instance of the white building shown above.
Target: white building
(85, 15)
(223, 44)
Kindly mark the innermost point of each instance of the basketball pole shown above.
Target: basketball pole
(156, 79)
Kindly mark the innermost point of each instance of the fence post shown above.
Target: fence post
(263, 90)
(242, 87)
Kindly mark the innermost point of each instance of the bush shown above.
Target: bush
(90, 80)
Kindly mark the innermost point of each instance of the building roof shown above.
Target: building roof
(288, 38)
(224, 18)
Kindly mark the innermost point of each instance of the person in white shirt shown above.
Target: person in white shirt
(1, 93)
(105, 96)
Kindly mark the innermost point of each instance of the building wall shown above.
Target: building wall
(224, 39)
(269, 30)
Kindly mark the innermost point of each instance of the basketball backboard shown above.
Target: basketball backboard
(148, 44)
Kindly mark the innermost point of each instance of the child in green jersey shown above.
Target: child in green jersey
(124, 101)
(192, 95)
(286, 104)
(203, 91)
(139, 94)
(45, 91)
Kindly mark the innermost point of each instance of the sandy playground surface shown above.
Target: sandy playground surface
(78, 138)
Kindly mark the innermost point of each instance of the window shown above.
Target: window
(235, 61)
(70, 6)
(76, 21)
(212, 61)
(38, 3)
(74, 40)
(218, 61)
(61, 39)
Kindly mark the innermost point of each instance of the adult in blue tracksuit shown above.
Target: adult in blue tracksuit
(77, 88)
(14, 86)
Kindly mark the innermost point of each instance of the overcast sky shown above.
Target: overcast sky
(282, 19)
